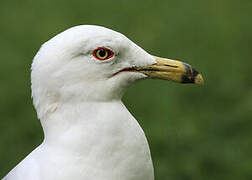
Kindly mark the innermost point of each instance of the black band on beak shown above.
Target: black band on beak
(190, 75)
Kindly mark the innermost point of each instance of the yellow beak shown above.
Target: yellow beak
(172, 70)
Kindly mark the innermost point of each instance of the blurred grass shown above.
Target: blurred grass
(194, 132)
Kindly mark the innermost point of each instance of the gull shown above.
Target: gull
(78, 79)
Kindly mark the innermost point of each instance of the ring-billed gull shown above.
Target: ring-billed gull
(78, 79)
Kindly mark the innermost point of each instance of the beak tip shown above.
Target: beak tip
(199, 79)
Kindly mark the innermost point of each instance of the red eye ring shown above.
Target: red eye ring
(102, 53)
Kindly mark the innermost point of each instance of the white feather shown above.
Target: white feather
(89, 133)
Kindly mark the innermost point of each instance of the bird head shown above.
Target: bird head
(93, 63)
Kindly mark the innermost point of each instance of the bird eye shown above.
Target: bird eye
(103, 53)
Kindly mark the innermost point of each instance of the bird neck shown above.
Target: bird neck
(77, 127)
(97, 137)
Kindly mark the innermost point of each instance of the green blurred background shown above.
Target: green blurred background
(195, 132)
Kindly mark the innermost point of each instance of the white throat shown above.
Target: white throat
(100, 136)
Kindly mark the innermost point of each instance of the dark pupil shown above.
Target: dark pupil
(102, 52)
